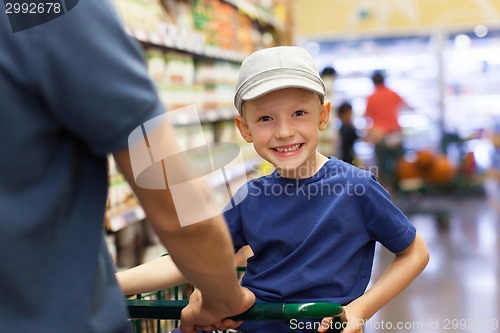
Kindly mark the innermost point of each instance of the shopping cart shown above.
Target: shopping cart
(159, 312)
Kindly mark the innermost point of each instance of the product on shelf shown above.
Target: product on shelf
(122, 207)
(119, 190)
(219, 80)
(155, 58)
(182, 80)
(145, 16)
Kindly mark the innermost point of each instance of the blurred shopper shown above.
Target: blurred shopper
(328, 75)
(382, 108)
(347, 131)
(73, 89)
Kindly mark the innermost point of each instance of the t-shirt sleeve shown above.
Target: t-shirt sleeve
(386, 223)
(94, 77)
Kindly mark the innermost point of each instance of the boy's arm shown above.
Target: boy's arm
(158, 274)
(405, 267)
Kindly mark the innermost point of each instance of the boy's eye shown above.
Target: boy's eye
(265, 118)
(299, 113)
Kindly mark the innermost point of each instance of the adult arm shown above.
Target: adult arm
(405, 267)
(405, 106)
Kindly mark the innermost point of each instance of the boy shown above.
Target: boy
(313, 223)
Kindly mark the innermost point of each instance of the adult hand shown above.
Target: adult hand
(349, 321)
(209, 316)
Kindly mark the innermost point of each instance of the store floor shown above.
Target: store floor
(459, 291)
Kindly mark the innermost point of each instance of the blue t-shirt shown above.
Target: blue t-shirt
(313, 239)
(71, 90)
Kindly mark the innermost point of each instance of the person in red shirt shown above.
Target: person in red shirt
(382, 109)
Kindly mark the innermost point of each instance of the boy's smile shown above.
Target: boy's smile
(284, 127)
(288, 150)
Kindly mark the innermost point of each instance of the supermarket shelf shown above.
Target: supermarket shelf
(118, 219)
(205, 117)
(186, 41)
(257, 13)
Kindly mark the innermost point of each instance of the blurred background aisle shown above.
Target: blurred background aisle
(459, 291)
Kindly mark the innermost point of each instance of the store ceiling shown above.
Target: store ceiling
(354, 18)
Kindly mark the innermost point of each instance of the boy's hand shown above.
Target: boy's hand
(209, 316)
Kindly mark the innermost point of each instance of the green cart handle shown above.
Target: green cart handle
(168, 309)
(286, 311)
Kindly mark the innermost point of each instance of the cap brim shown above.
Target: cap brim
(268, 86)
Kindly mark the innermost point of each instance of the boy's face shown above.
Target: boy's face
(284, 127)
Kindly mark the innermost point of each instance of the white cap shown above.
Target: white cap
(277, 68)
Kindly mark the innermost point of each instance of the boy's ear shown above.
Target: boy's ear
(243, 128)
(324, 115)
